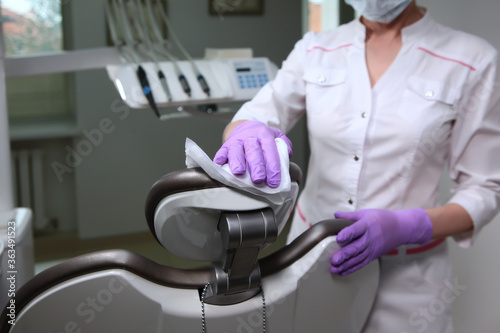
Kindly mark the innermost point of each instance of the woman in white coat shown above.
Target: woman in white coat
(391, 99)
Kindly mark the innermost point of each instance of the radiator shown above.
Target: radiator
(28, 184)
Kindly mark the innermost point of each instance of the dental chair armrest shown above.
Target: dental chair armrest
(102, 261)
(185, 180)
(287, 255)
(172, 183)
(160, 274)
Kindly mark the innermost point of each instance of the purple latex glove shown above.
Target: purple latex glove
(376, 232)
(253, 144)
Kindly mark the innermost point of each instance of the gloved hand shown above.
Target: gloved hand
(376, 232)
(253, 144)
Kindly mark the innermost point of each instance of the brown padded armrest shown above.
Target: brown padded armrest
(101, 261)
(174, 182)
(189, 180)
(160, 274)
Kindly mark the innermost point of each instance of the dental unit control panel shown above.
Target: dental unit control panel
(249, 75)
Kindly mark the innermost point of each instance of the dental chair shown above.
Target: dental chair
(197, 218)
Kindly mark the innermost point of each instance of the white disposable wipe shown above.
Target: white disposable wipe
(196, 157)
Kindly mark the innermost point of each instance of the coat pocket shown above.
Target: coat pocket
(324, 89)
(429, 102)
(433, 91)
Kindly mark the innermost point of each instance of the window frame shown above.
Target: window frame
(65, 61)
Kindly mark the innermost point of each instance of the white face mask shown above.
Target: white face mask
(383, 11)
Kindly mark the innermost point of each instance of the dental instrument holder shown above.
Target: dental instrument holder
(229, 81)
(236, 277)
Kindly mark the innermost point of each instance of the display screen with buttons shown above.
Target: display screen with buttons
(251, 74)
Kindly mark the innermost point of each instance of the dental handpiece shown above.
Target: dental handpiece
(185, 84)
(146, 89)
(203, 84)
(163, 81)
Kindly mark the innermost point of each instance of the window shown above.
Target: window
(32, 27)
(323, 14)
(327, 14)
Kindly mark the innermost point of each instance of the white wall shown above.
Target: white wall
(477, 309)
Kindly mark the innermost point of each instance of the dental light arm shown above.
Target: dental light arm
(129, 54)
(141, 28)
(163, 51)
(181, 77)
(123, 23)
(117, 41)
(201, 79)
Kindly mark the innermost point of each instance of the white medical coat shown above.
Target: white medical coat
(386, 146)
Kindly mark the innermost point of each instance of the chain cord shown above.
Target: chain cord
(203, 294)
(203, 318)
(263, 312)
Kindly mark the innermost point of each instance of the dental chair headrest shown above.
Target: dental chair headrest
(183, 210)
